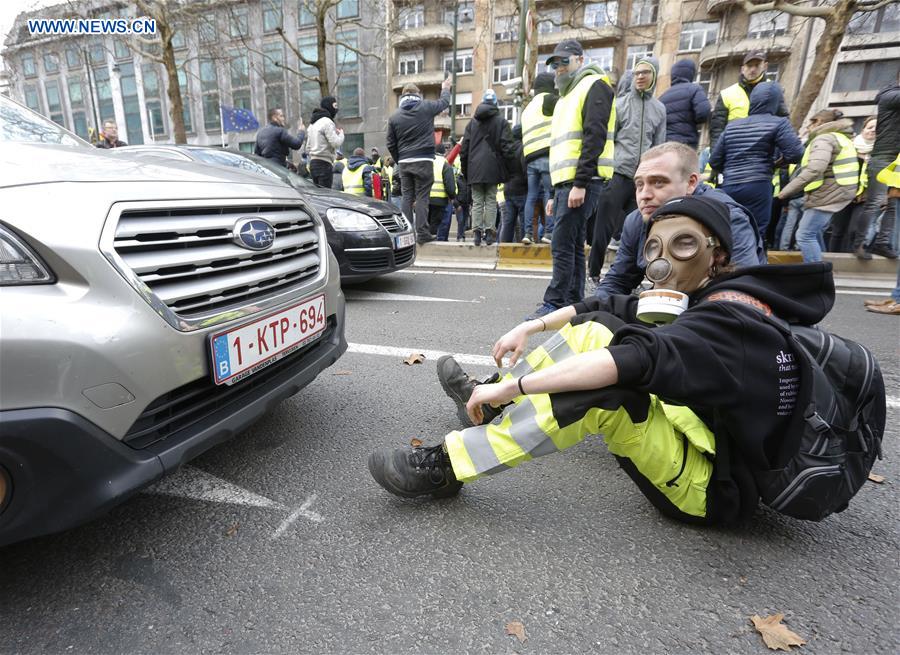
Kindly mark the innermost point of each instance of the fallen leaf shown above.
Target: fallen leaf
(877, 479)
(516, 629)
(232, 530)
(342, 372)
(776, 635)
(415, 443)
(414, 359)
(742, 579)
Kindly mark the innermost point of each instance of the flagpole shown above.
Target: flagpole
(222, 123)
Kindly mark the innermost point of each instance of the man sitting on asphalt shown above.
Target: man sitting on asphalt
(606, 373)
(665, 172)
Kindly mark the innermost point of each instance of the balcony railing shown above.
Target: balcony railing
(581, 34)
(438, 33)
(423, 79)
(719, 5)
(726, 49)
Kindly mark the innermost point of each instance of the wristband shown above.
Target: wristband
(543, 325)
(519, 382)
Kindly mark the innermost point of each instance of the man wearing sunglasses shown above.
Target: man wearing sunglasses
(581, 164)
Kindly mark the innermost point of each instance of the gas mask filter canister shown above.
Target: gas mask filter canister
(660, 306)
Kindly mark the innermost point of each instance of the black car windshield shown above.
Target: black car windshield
(19, 124)
(252, 163)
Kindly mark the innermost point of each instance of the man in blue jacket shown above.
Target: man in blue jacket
(665, 172)
(274, 142)
(687, 107)
(746, 152)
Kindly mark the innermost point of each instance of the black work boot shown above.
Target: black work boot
(459, 386)
(410, 472)
(477, 237)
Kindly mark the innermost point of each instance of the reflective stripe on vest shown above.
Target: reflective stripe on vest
(535, 126)
(710, 180)
(890, 175)
(845, 168)
(353, 181)
(566, 134)
(736, 101)
(437, 188)
(501, 196)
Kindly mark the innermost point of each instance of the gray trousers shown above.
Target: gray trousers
(484, 206)
(416, 178)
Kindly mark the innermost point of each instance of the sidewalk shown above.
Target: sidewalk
(879, 273)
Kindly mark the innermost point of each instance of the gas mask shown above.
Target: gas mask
(679, 254)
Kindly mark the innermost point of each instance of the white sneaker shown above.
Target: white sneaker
(527, 241)
(613, 244)
(546, 240)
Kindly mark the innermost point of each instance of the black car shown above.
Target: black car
(369, 237)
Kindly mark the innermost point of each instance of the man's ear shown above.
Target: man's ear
(693, 181)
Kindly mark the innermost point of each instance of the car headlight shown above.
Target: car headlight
(19, 264)
(346, 220)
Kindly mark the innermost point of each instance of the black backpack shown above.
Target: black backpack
(836, 434)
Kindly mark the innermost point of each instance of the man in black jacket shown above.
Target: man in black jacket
(110, 136)
(728, 376)
(274, 142)
(410, 140)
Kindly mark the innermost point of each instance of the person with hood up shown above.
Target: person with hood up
(410, 141)
(487, 155)
(829, 175)
(274, 142)
(323, 140)
(356, 176)
(640, 125)
(693, 409)
(745, 153)
(582, 152)
(687, 107)
(536, 121)
(734, 101)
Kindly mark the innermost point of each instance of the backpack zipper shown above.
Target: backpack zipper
(793, 488)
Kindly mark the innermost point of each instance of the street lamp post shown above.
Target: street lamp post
(453, 72)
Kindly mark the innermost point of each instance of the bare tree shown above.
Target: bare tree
(837, 16)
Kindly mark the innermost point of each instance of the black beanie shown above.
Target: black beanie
(544, 83)
(711, 213)
(328, 105)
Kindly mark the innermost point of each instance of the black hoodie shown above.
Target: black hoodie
(727, 363)
(488, 152)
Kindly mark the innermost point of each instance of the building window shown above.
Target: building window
(73, 58)
(644, 12)
(772, 72)
(767, 24)
(603, 57)
(410, 63)
(181, 66)
(509, 113)
(131, 104)
(239, 22)
(504, 69)
(209, 87)
(32, 98)
(348, 73)
(409, 18)
(28, 67)
(97, 53)
(695, 35)
(310, 95)
(152, 101)
(636, 52)
(247, 146)
(54, 102)
(506, 28)
(305, 17)
(886, 19)
(239, 67)
(206, 28)
(705, 79)
(51, 63)
(550, 21)
(178, 41)
(466, 14)
(463, 104)
(865, 76)
(76, 92)
(272, 18)
(601, 14)
(347, 9)
(352, 142)
(121, 50)
(105, 106)
(463, 62)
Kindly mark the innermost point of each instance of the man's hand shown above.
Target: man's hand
(548, 210)
(300, 125)
(513, 341)
(492, 394)
(781, 196)
(446, 84)
(576, 197)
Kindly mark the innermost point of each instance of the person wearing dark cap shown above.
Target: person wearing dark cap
(323, 141)
(727, 374)
(536, 119)
(734, 101)
(582, 151)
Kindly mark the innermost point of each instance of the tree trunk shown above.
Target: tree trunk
(173, 90)
(828, 47)
(321, 57)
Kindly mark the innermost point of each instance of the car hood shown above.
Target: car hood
(323, 199)
(54, 163)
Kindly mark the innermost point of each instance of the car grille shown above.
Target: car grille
(201, 399)
(394, 223)
(369, 260)
(404, 255)
(187, 258)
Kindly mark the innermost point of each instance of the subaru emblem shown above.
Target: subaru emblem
(253, 233)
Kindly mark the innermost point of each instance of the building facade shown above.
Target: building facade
(242, 53)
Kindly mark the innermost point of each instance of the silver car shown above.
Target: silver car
(148, 311)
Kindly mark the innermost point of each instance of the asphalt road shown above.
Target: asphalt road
(279, 542)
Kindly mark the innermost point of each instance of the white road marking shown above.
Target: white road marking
(303, 511)
(355, 294)
(424, 271)
(893, 403)
(403, 353)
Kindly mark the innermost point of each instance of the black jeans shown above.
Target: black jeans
(320, 172)
(416, 178)
(617, 201)
(876, 198)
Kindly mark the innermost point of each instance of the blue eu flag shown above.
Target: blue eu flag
(235, 119)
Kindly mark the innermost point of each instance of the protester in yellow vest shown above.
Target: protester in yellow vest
(734, 101)
(829, 175)
(536, 122)
(889, 176)
(443, 190)
(582, 149)
(357, 174)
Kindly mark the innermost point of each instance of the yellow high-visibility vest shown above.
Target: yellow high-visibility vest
(736, 101)
(437, 188)
(566, 133)
(710, 179)
(353, 180)
(535, 126)
(501, 196)
(389, 172)
(890, 175)
(845, 167)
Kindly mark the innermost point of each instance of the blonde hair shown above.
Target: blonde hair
(687, 156)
